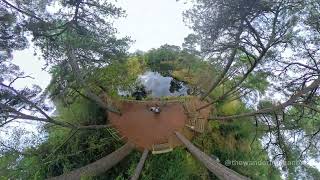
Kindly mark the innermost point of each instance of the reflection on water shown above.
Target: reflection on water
(139, 93)
(157, 85)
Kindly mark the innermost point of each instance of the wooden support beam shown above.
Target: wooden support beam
(214, 166)
(98, 167)
(139, 167)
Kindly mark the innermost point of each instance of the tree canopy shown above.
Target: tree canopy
(255, 64)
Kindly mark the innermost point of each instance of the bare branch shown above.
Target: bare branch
(289, 102)
(228, 65)
(89, 94)
(19, 77)
(22, 11)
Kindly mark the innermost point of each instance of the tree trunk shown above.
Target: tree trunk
(228, 65)
(214, 166)
(139, 167)
(79, 78)
(100, 166)
(291, 101)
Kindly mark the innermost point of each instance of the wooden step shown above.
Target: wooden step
(161, 148)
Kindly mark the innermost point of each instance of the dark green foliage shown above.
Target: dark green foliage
(162, 59)
(176, 165)
(65, 149)
(237, 142)
(81, 151)
(124, 169)
(11, 34)
(82, 111)
(81, 31)
(312, 173)
(257, 81)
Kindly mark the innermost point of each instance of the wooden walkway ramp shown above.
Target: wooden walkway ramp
(196, 120)
(196, 123)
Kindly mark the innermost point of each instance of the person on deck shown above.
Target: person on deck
(155, 109)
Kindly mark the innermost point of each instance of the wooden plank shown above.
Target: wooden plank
(221, 171)
(161, 148)
(139, 167)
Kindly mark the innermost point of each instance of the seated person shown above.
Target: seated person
(155, 109)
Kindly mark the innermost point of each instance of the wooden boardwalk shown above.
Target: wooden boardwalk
(155, 132)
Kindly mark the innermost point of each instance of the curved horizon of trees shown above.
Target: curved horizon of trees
(277, 39)
(248, 49)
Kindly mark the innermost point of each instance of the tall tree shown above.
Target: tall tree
(139, 167)
(228, 31)
(73, 36)
(276, 40)
(76, 36)
(100, 166)
(214, 166)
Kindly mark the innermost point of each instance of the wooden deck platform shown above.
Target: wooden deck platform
(155, 132)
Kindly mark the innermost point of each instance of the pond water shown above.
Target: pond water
(155, 85)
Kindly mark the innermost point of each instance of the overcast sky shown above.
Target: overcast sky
(150, 23)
